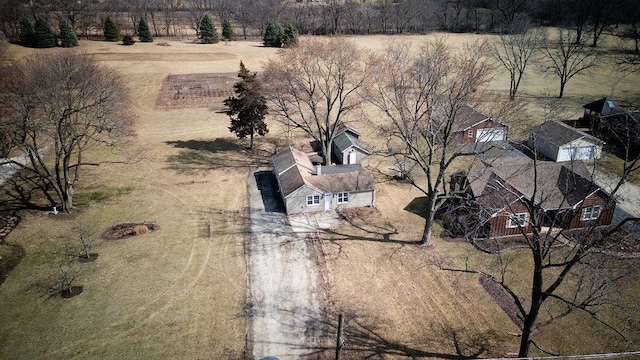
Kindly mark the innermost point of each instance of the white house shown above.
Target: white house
(561, 142)
(306, 187)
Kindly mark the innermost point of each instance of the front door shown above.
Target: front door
(351, 157)
(328, 202)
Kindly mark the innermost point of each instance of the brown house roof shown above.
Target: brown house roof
(559, 133)
(467, 117)
(558, 185)
(293, 169)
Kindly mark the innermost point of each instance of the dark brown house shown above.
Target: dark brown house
(563, 196)
(471, 126)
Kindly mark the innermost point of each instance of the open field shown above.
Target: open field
(179, 292)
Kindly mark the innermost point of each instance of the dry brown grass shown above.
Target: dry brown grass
(178, 292)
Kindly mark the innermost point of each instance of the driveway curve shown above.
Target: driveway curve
(285, 296)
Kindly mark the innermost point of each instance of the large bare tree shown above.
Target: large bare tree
(421, 95)
(557, 271)
(57, 107)
(566, 57)
(514, 51)
(313, 87)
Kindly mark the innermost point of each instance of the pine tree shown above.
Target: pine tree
(44, 36)
(207, 31)
(27, 33)
(227, 31)
(273, 35)
(144, 34)
(111, 32)
(68, 37)
(248, 108)
(290, 36)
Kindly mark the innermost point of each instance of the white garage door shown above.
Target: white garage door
(578, 153)
(490, 135)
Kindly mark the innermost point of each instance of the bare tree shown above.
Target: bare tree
(421, 94)
(513, 53)
(313, 87)
(62, 104)
(569, 271)
(567, 57)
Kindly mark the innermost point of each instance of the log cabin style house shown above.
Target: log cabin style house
(563, 196)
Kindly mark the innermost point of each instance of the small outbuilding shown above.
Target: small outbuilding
(347, 147)
(561, 142)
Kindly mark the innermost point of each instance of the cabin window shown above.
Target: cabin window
(343, 197)
(470, 134)
(591, 213)
(517, 220)
(313, 200)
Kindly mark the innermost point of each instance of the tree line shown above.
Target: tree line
(589, 18)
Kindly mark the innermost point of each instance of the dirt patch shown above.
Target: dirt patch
(125, 230)
(195, 91)
(89, 258)
(621, 243)
(71, 292)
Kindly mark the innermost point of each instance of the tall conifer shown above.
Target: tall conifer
(68, 37)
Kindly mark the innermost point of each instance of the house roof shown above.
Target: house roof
(346, 139)
(559, 133)
(556, 185)
(294, 170)
(467, 117)
(348, 128)
(605, 107)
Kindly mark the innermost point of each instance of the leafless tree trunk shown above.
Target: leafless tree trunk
(420, 93)
(568, 272)
(513, 53)
(313, 87)
(62, 104)
(567, 57)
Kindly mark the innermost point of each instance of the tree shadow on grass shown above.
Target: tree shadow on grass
(364, 338)
(418, 206)
(201, 156)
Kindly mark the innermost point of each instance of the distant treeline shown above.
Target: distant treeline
(180, 18)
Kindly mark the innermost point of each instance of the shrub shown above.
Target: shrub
(128, 40)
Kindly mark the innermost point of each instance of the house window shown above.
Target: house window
(517, 220)
(591, 213)
(470, 134)
(343, 197)
(313, 200)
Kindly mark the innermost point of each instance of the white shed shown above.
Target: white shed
(561, 142)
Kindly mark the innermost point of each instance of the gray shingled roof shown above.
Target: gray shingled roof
(345, 139)
(558, 133)
(294, 170)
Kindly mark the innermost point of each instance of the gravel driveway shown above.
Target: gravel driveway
(628, 197)
(285, 298)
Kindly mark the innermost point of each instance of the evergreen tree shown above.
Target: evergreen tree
(273, 35)
(248, 108)
(144, 34)
(27, 33)
(111, 32)
(44, 36)
(68, 37)
(290, 36)
(208, 32)
(227, 31)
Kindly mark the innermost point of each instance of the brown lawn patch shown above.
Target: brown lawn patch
(195, 90)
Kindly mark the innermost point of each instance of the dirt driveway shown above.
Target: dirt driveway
(285, 298)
